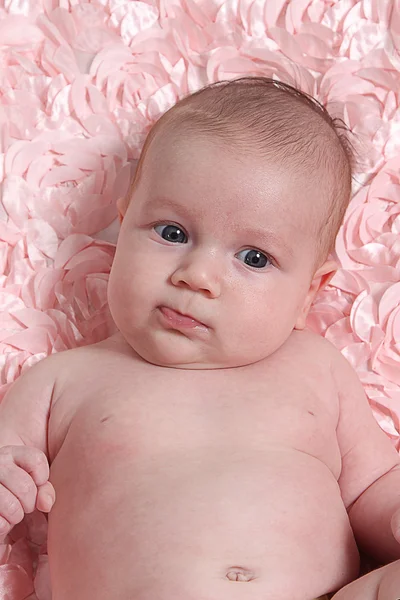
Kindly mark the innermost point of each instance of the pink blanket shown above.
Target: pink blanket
(80, 84)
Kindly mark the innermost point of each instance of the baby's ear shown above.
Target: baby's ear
(322, 277)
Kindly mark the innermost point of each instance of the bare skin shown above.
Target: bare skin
(198, 486)
(381, 584)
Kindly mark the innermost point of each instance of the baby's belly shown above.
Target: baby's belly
(197, 527)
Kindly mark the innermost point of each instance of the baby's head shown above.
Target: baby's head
(234, 209)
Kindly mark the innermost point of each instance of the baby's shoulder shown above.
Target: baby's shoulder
(85, 356)
(325, 352)
(64, 362)
(314, 346)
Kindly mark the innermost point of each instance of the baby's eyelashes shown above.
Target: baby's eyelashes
(253, 258)
(171, 233)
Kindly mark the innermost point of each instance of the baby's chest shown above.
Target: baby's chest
(170, 414)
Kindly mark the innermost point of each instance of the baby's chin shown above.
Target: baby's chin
(173, 360)
(183, 354)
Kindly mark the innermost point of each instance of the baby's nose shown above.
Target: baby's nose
(200, 274)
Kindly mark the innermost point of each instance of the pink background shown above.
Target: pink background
(80, 85)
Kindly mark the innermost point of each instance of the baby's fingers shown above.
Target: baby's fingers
(46, 497)
(11, 511)
(17, 489)
(30, 459)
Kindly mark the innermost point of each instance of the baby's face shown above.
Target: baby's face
(221, 238)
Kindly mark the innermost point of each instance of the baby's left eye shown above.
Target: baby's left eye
(171, 233)
(253, 258)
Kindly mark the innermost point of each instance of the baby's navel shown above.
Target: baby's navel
(240, 574)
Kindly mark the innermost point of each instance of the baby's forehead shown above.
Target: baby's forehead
(200, 178)
(193, 156)
(310, 153)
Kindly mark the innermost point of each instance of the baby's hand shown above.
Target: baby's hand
(24, 485)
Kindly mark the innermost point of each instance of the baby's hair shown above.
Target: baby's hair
(272, 119)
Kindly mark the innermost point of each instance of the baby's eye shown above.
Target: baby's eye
(171, 233)
(253, 258)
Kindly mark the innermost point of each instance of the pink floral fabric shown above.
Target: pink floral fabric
(80, 85)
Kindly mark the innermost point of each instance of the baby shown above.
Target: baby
(213, 448)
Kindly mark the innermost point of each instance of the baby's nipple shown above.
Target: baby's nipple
(239, 574)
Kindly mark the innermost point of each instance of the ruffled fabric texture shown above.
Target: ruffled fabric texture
(80, 85)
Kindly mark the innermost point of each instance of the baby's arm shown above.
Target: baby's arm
(381, 584)
(24, 469)
(370, 476)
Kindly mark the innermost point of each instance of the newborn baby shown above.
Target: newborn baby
(213, 448)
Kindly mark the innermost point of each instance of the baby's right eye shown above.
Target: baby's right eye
(171, 233)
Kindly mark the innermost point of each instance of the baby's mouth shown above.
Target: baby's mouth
(179, 321)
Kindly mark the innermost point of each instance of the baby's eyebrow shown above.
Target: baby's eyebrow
(269, 237)
(165, 202)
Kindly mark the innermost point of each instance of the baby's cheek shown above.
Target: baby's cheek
(264, 327)
(118, 292)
